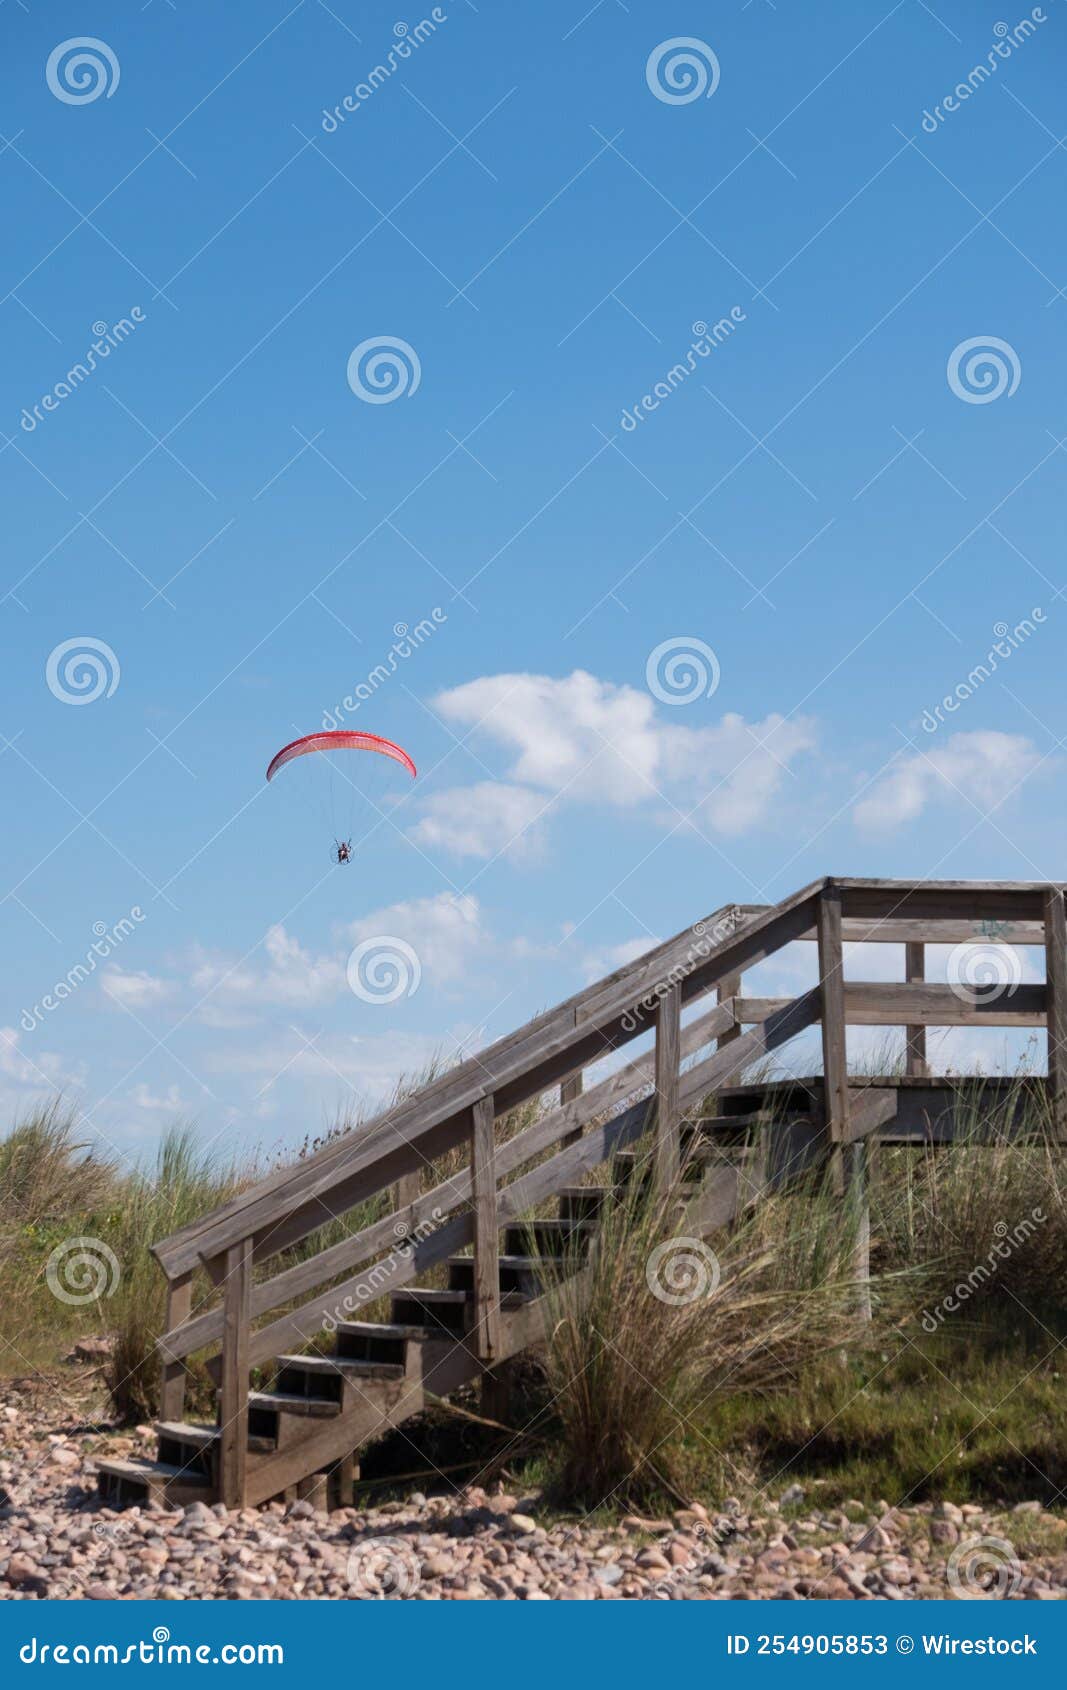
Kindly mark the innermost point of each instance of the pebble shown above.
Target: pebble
(56, 1540)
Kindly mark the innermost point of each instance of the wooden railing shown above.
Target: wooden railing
(688, 1060)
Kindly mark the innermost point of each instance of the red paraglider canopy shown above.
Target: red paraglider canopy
(340, 740)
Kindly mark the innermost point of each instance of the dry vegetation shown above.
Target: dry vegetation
(639, 1394)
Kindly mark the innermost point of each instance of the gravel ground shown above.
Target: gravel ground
(55, 1540)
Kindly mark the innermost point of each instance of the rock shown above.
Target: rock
(521, 1523)
(944, 1531)
(792, 1494)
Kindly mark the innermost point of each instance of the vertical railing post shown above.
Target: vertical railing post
(1056, 1007)
(728, 988)
(849, 1163)
(486, 1232)
(668, 1156)
(172, 1382)
(233, 1432)
(570, 1090)
(408, 1187)
(832, 987)
(915, 1036)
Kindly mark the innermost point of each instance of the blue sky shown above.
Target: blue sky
(829, 501)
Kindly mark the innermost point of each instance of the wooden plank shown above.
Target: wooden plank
(570, 1090)
(891, 931)
(856, 1159)
(668, 1115)
(486, 1232)
(832, 990)
(1056, 992)
(894, 1004)
(408, 1188)
(233, 1432)
(727, 989)
(172, 1368)
(915, 1032)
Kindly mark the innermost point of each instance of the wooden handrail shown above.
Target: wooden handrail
(279, 1211)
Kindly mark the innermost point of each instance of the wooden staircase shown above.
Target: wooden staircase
(679, 1113)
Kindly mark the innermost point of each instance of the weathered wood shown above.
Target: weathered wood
(668, 1056)
(408, 1187)
(832, 991)
(856, 1170)
(890, 931)
(728, 989)
(915, 1032)
(1056, 993)
(893, 1004)
(486, 1232)
(570, 1090)
(172, 1368)
(233, 1431)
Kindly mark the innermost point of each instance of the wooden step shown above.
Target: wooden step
(370, 1340)
(443, 1311)
(183, 1443)
(325, 1376)
(520, 1276)
(284, 1402)
(121, 1482)
(624, 1162)
(548, 1238)
(583, 1202)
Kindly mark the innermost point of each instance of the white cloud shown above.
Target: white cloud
(982, 767)
(585, 740)
(134, 989)
(599, 963)
(446, 932)
(482, 820)
(293, 976)
(171, 1102)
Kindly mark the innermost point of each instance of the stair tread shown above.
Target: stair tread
(509, 1261)
(284, 1402)
(430, 1294)
(137, 1467)
(384, 1329)
(203, 1435)
(342, 1364)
